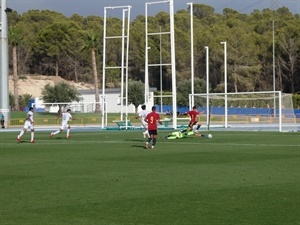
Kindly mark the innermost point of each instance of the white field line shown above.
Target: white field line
(81, 142)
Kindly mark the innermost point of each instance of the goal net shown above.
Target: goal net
(264, 111)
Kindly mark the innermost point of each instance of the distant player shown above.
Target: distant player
(28, 125)
(142, 115)
(2, 121)
(66, 117)
(152, 119)
(194, 118)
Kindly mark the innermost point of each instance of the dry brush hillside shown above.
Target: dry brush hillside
(33, 85)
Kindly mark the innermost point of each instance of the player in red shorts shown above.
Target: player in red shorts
(194, 114)
(152, 119)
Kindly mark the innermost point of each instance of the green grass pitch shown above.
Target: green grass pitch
(109, 178)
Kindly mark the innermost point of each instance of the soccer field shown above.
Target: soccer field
(109, 178)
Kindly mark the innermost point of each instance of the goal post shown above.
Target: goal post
(264, 111)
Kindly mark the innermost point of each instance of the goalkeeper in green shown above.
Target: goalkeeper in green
(182, 134)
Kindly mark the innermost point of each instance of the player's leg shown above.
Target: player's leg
(197, 129)
(22, 132)
(173, 135)
(57, 132)
(68, 131)
(198, 125)
(32, 135)
(154, 140)
(149, 138)
(145, 133)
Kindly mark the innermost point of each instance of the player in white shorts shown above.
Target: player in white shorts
(28, 125)
(142, 115)
(66, 117)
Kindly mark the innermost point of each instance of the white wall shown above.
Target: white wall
(112, 102)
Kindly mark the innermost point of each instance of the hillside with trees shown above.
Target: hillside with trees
(49, 43)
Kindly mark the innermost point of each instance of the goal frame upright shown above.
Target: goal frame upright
(172, 64)
(124, 63)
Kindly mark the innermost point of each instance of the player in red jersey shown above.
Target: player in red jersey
(194, 115)
(152, 119)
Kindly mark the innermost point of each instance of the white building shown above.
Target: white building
(87, 104)
(112, 99)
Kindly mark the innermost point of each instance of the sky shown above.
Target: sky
(96, 7)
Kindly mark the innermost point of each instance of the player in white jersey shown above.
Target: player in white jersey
(28, 125)
(66, 117)
(142, 115)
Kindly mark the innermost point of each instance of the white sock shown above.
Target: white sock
(21, 133)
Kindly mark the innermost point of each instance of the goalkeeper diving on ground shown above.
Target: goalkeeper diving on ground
(183, 134)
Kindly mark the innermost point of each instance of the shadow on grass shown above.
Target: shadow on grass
(139, 146)
(58, 138)
(137, 140)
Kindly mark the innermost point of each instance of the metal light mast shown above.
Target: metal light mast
(4, 99)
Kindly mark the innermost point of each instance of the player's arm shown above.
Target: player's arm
(158, 120)
(199, 114)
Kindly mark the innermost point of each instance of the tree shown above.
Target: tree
(24, 100)
(289, 59)
(53, 44)
(243, 60)
(60, 93)
(249, 36)
(136, 93)
(201, 10)
(184, 89)
(91, 43)
(74, 59)
(14, 40)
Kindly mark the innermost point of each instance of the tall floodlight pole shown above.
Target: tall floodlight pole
(192, 53)
(207, 85)
(225, 79)
(274, 83)
(146, 55)
(4, 96)
(122, 63)
(127, 54)
(173, 62)
(103, 69)
(160, 69)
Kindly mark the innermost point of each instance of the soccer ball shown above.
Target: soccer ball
(209, 136)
